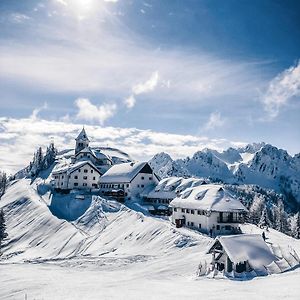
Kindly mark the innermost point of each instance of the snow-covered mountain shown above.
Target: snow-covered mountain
(261, 164)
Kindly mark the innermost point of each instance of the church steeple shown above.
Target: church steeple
(82, 141)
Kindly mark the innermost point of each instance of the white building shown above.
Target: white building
(84, 152)
(160, 196)
(81, 175)
(209, 208)
(127, 180)
(241, 253)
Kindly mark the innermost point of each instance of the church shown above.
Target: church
(86, 166)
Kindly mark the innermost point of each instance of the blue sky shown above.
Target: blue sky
(223, 72)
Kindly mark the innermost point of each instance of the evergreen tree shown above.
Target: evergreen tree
(256, 209)
(295, 226)
(264, 221)
(3, 233)
(280, 218)
(3, 183)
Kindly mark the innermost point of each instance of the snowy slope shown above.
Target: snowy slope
(113, 252)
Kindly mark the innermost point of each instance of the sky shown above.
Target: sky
(148, 76)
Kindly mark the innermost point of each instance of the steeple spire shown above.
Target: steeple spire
(82, 141)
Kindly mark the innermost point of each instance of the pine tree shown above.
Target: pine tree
(3, 183)
(256, 209)
(280, 218)
(295, 225)
(3, 233)
(264, 221)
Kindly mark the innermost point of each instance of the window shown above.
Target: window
(62, 177)
(138, 185)
(92, 171)
(150, 178)
(94, 185)
(94, 178)
(84, 184)
(183, 210)
(61, 183)
(188, 223)
(142, 177)
(192, 212)
(75, 183)
(85, 177)
(227, 227)
(187, 211)
(199, 212)
(175, 208)
(85, 170)
(79, 170)
(218, 227)
(199, 226)
(142, 185)
(127, 185)
(192, 224)
(75, 177)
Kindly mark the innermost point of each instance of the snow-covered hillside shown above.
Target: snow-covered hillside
(111, 250)
(260, 164)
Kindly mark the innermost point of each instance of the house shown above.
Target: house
(127, 180)
(241, 253)
(209, 208)
(160, 196)
(81, 175)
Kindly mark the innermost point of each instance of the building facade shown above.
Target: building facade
(127, 180)
(81, 175)
(208, 208)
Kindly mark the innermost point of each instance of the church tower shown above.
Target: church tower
(82, 141)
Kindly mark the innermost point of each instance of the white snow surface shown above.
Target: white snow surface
(210, 197)
(114, 252)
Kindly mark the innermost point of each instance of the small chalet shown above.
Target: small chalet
(127, 180)
(241, 253)
(208, 208)
(81, 175)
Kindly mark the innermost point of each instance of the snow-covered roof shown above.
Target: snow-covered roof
(124, 172)
(97, 153)
(82, 136)
(210, 197)
(246, 247)
(69, 168)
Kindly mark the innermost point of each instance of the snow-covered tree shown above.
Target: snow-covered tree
(50, 155)
(295, 225)
(3, 233)
(3, 183)
(256, 209)
(280, 218)
(264, 221)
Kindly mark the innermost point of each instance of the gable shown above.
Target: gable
(146, 169)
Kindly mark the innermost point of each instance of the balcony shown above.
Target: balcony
(233, 220)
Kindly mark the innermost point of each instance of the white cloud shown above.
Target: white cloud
(36, 111)
(19, 18)
(19, 138)
(130, 101)
(90, 112)
(281, 89)
(215, 120)
(142, 88)
(146, 86)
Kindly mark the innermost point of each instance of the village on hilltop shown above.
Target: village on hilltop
(190, 202)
